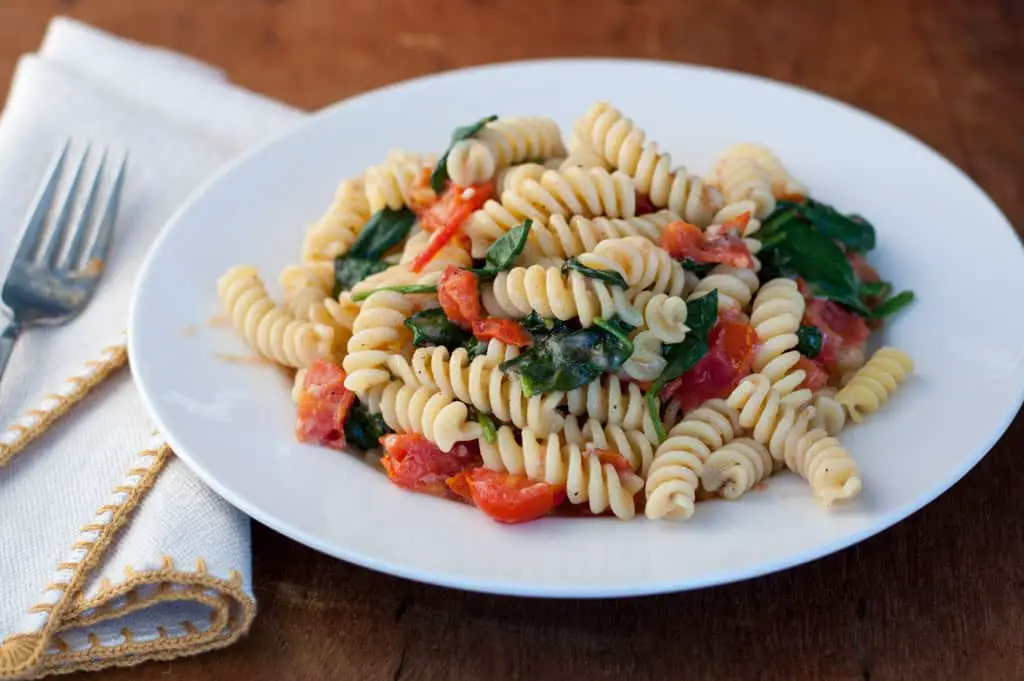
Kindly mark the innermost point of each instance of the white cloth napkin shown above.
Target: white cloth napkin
(111, 551)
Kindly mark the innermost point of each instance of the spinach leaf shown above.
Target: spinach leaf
(701, 315)
(487, 423)
(571, 359)
(893, 305)
(349, 271)
(542, 327)
(439, 177)
(799, 250)
(385, 228)
(411, 288)
(617, 328)
(609, 277)
(701, 269)
(503, 253)
(432, 327)
(854, 232)
(363, 429)
(875, 289)
(809, 340)
(800, 240)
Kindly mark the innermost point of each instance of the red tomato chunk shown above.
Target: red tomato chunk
(415, 463)
(506, 497)
(323, 406)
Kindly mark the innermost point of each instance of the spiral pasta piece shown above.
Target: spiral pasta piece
(767, 414)
(333, 234)
(828, 468)
(734, 470)
(633, 445)
(378, 332)
(512, 177)
(664, 316)
(562, 237)
(582, 156)
(776, 315)
(573, 191)
(783, 184)
(873, 383)
(624, 145)
(272, 332)
(305, 287)
(741, 178)
(423, 410)
(675, 473)
(735, 286)
(398, 182)
(830, 416)
(553, 293)
(643, 264)
(470, 162)
(338, 314)
(517, 139)
(646, 363)
(586, 478)
(609, 399)
(481, 383)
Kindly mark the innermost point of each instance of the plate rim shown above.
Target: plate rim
(501, 586)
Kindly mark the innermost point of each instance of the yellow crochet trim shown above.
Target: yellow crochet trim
(34, 422)
(35, 654)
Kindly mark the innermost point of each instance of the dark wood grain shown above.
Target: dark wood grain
(940, 596)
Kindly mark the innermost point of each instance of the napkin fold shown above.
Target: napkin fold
(111, 551)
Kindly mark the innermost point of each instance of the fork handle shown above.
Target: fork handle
(7, 339)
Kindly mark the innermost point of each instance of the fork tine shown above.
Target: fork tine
(74, 253)
(48, 256)
(37, 220)
(105, 231)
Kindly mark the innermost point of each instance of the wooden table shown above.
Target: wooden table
(940, 596)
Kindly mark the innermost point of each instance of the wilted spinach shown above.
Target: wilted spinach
(432, 327)
(809, 340)
(385, 228)
(610, 277)
(363, 429)
(893, 305)
(542, 327)
(487, 423)
(701, 315)
(407, 289)
(803, 240)
(571, 359)
(502, 254)
(701, 269)
(439, 177)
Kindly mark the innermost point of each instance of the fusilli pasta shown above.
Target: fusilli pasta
(674, 475)
(776, 315)
(481, 383)
(443, 420)
(586, 478)
(734, 470)
(378, 332)
(553, 293)
(399, 182)
(271, 331)
(623, 145)
(871, 386)
(442, 321)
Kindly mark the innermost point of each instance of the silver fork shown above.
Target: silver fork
(53, 276)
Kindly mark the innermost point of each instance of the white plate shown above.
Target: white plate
(938, 234)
